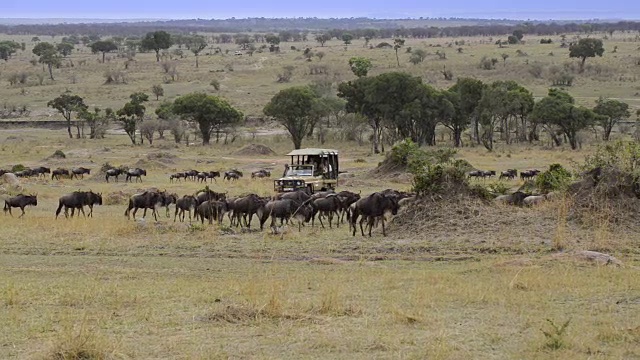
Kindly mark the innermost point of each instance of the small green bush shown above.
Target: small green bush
(498, 188)
(556, 178)
(18, 167)
(59, 154)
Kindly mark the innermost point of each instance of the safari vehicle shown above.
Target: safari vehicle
(312, 169)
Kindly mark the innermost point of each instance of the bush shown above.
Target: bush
(59, 154)
(436, 179)
(215, 83)
(18, 167)
(498, 188)
(554, 179)
(624, 156)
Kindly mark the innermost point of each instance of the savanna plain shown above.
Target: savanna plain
(479, 281)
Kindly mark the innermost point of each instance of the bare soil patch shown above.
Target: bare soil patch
(255, 149)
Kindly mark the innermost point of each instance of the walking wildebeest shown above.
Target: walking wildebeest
(326, 206)
(24, 173)
(509, 174)
(41, 171)
(55, 174)
(346, 199)
(213, 175)
(115, 172)
(244, 208)
(529, 174)
(186, 203)
(211, 210)
(147, 200)
(177, 177)
(373, 207)
(78, 200)
(20, 201)
(284, 210)
(261, 174)
(191, 174)
(208, 195)
(488, 173)
(136, 173)
(168, 199)
(79, 172)
(232, 175)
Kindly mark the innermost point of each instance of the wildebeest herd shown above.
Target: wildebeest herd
(509, 174)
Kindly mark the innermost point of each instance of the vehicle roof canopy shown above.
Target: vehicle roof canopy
(313, 152)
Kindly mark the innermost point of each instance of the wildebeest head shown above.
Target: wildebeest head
(95, 198)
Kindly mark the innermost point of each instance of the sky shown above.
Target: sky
(190, 9)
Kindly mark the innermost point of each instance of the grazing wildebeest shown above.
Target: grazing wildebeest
(509, 174)
(113, 173)
(79, 172)
(232, 175)
(78, 200)
(20, 201)
(244, 208)
(326, 206)
(176, 177)
(373, 207)
(186, 203)
(213, 175)
(261, 174)
(147, 200)
(41, 171)
(211, 210)
(55, 174)
(529, 174)
(136, 173)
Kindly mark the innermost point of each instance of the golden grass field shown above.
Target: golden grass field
(108, 288)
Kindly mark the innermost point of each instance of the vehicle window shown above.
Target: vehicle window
(300, 170)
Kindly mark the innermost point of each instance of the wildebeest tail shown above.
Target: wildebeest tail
(60, 208)
(126, 212)
(6, 206)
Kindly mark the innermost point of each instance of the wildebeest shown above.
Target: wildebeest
(186, 203)
(191, 174)
(371, 208)
(41, 171)
(261, 174)
(529, 174)
(232, 175)
(208, 195)
(79, 172)
(509, 174)
(300, 196)
(213, 175)
(147, 200)
(327, 206)
(20, 201)
(168, 199)
(211, 210)
(517, 198)
(476, 174)
(55, 174)
(136, 173)
(244, 208)
(284, 210)
(177, 177)
(24, 173)
(113, 173)
(346, 199)
(488, 173)
(78, 200)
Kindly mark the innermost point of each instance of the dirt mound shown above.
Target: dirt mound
(255, 149)
(116, 198)
(162, 157)
(150, 164)
(10, 183)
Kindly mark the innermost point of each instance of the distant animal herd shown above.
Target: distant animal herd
(300, 207)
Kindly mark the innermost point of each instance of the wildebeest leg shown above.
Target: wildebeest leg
(361, 221)
(189, 210)
(90, 211)
(320, 219)
(21, 208)
(81, 210)
(135, 210)
(384, 233)
(175, 215)
(370, 223)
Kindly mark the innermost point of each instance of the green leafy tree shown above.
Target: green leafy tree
(48, 56)
(323, 38)
(210, 113)
(586, 48)
(97, 121)
(558, 109)
(296, 109)
(417, 56)
(196, 44)
(156, 41)
(611, 112)
(272, 39)
(346, 38)
(158, 91)
(360, 66)
(132, 113)
(103, 46)
(65, 48)
(8, 48)
(397, 45)
(469, 95)
(67, 104)
(519, 34)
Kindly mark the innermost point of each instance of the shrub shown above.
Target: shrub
(215, 83)
(18, 167)
(555, 335)
(556, 178)
(384, 45)
(59, 154)
(498, 188)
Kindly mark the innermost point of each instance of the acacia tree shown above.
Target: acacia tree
(132, 113)
(588, 47)
(158, 91)
(209, 113)
(196, 44)
(346, 38)
(66, 104)
(65, 48)
(360, 66)
(296, 109)
(611, 112)
(397, 44)
(98, 122)
(48, 56)
(323, 38)
(156, 41)
(470, 93)
(8, 48)
(103, 46)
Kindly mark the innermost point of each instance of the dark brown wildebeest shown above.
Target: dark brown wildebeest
(208, 195)
(346, 199)
(284, 209)
(168, 199)
(232, 175)
(147, 200)
(78, 200)
(244, 208)
(135, 173)
(41, 171)
(299, 196)
(186, 203)
(373, 207)
(55, 174)
(201, 177)
(488, 173)
(213, 175)
(20, 201)
(79, 172)
(508, 174)
(24, 173)
(327, 206)
(211, 210)
(261, 174)
(115, 172)
(529, 174)
(177, 177)
(191, 174)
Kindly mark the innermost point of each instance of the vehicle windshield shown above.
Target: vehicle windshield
(299, 170)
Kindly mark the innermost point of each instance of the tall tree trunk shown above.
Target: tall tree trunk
(69, 127)
(158, 55)
(103, 54)
(50, 72)
(196, 61)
